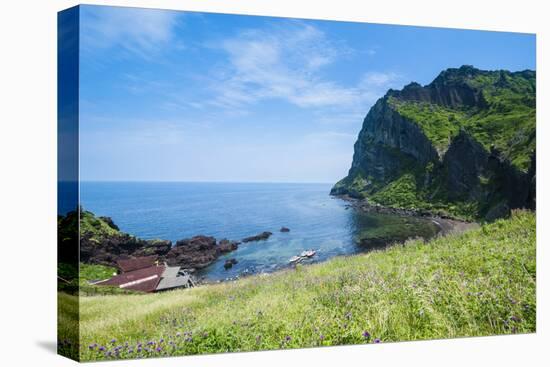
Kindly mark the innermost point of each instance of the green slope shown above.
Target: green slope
(478, 283)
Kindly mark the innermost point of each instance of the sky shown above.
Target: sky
(184, 96)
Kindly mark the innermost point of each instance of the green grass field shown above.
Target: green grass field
(477, 283)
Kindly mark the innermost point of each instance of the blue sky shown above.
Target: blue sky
(180, 96)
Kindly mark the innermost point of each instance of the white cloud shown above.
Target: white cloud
(287, 63)
(139, 31)
(378, 79)
(280, 63)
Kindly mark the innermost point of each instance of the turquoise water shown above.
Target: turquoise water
(180, 210)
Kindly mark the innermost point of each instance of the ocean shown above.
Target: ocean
(178, 210)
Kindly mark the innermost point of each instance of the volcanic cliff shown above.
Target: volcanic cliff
(463, 145)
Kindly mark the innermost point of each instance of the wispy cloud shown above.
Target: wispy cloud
(287, 63)
(138, 31)
(379, 79)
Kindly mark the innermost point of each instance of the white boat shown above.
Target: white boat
(295, 259)
(308, 253)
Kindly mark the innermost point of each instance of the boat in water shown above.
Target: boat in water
(304, 255)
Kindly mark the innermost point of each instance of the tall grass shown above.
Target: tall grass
(477, 283)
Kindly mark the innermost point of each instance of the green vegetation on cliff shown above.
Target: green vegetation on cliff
(440, 124)
(401, 193)
(506, 122)
(97, 227)
(463, 145)
(478, 283)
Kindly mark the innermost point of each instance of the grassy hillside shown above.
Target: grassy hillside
(478, 283)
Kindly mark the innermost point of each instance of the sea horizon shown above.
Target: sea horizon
(208, 181)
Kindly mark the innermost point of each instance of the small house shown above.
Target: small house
(145, 274)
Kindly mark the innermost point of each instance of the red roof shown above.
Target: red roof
(144, 280)
(136, 263)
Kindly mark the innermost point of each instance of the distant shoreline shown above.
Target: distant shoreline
(445, 223)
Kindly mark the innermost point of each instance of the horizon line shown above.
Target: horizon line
(204, 181)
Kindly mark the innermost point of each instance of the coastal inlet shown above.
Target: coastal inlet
(300, 217)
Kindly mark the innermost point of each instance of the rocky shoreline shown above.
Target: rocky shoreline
(447, 224)
(101, 242)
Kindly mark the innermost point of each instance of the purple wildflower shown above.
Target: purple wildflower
(377, 340)
(102, 348)
(92, 346)
(366, 334)
(113, 341)
(159, 349)
(288, 338)
(321, 337)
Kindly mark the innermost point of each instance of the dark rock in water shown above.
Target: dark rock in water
(197, 252)
(226, 245)
(229, 263)
(285, 229)
(200, 242)
(259, 237)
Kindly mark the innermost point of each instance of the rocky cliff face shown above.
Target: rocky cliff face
(463, 145)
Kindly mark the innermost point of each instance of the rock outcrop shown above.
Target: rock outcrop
(196, 253)
(106, 250)
(259, 237)
(463, 145)
(229, 263)
(102, 242)
(226, 245)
